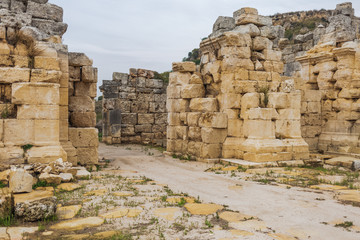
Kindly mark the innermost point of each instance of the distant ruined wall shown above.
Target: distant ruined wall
(34, 85)
(134, 108)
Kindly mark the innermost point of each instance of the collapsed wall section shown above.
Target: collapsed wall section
(134, 108)
(238, 106)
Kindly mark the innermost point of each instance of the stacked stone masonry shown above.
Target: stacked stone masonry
(34, 86)
(134, 108)
(237, 106)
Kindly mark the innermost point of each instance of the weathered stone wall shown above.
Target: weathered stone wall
(134, 108)
(237, 106)
(82, 92)
(34, 84)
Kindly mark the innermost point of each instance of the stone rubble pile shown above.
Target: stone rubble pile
(134, 108)
(19, 198)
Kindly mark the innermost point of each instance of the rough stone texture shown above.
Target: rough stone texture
(134, 107)
(6, 203)
(20, 181)
(35, 206)
(78, 224)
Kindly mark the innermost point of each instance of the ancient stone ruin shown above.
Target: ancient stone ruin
(47, 120)
(238, 106)
(242, 105)
(134, 108)
(37, 95)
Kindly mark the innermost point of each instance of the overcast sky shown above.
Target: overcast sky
(151, 34)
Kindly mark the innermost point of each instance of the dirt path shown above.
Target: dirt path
(299, 212)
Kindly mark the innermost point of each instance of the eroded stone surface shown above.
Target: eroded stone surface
(78, 224)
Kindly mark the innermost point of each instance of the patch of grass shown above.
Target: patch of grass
(27, 147)
(241, 169)
(182, 202)
(208, 223)
(43, 184)
(121, 236)
(345, 224)
(8, 220)
(3, 185)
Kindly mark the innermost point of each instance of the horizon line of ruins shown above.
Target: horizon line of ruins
(256, 95)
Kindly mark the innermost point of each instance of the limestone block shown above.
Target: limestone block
(250, 29)
(146, 118)
(45, 11)
(262, 114)
(81, 104)
(278, 100)
(251, 129)
(46, 132)
(195, 79)
(230, 148)
(193, 91)
(288, 129)
(194, 148)
(20, 181)
(4, 49)
(184, 67)
(177, 105)
(171, 132)
(210, 151)
(181, 132)
(258, 20)
(161, 118)
(274, 66)
(259, 76)
(261, 43)
(194, 133)
(49, 112)
(47, 63)
(41, 75)
(246, 10)
(120, 77)
(11, 155)
(84, 137)
(89, 74)
(349, 93)
(213, 135)
(83, 119)
(235, 127)
(289, 114)
(250, 100)
(45, 154)
(8, 61)
(64, 96)
(204, 105)
(85, 89)
(232, 63)
(154, 83)
(193, 119)
(174, 119)
(170, 145)
(230, 100)
(312, 96)
(314, 107)
(18, 132)
(236, 39)
(294, 100)
(343, 74)
(12, 75)
(178, 78)
(213, 120)
(341, 104)
(87, 156)
(272, 55)
(75, 73)
(79, 60)
(35, 93)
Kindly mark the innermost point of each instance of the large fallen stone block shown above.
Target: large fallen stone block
(46, 154)
(84, 137)
(20, 181)
(35, 206)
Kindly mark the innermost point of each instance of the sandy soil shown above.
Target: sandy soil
(302, 213)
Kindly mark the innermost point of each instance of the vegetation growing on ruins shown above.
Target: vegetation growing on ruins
(193, 56)
(308, 25)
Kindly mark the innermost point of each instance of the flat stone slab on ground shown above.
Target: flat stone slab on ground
(78, 224)
(202, 208)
